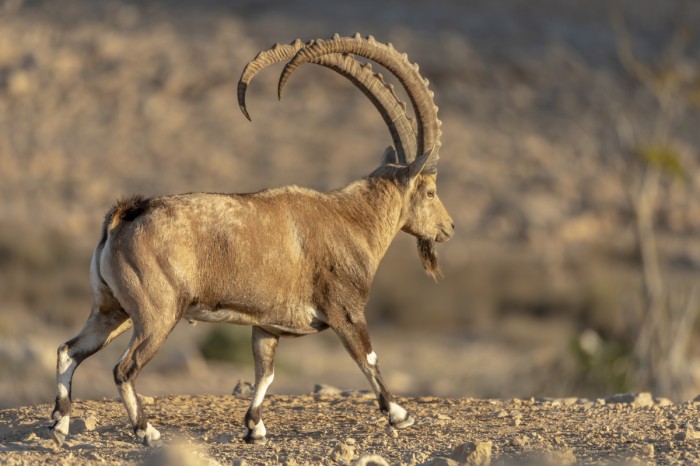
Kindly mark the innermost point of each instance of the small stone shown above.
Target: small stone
(30, 437)
(95, 457)
(323, 389)
(520, 441)
(569, 401)
(501, 414)
(648, 450)
(473, 453)
(428, 399)
(642, 399)
(550, 458)
(342, 453)
(81, 425)
(441, 461)
(661, 401)
(147, 400)
(355, 393)
(240, 462)
(243, 388)
(443, 417)
(391, 432)
(350, 441)
(688, 434)
(600, 402)
(563, 457)
(371, 460)
(517, 421)
(182, 453)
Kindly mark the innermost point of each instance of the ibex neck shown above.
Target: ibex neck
(374, 206)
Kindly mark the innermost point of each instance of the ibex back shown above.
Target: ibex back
(288, 261)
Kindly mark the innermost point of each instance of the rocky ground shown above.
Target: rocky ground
(335, 428)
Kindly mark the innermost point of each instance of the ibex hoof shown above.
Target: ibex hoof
(57, 436)
(405, 423)
(150, 437)
(152, 443)
(255, 440)
(59, 430)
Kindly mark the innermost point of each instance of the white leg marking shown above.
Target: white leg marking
(62, 390)
(130, 401)
(372, 358)
(260, 391)
(65, 363)
(66, 367)
(258, 431)
(62, 425)
(396, 413)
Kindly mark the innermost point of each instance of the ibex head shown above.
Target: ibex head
(424, 216)
(417, 143)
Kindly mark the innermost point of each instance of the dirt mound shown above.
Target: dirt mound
(329, 429)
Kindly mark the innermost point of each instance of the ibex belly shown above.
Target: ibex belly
(302, 321)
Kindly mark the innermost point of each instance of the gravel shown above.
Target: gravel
(335, 429)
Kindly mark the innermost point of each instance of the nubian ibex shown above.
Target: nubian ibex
(288, 261)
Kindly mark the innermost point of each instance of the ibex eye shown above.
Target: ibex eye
(431, 193)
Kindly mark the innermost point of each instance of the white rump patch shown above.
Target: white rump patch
(372, 358)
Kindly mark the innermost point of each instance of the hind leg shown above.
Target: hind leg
(144, 344)
(105, 323)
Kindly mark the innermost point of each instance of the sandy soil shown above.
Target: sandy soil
(332, 429)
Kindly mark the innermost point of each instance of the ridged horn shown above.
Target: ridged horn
(372, 85)
(421, 96)
(262, 60)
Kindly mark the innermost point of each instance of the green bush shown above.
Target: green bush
(228, 343)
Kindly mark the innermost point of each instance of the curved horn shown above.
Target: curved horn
(407, 73)
(381, 94)
(262, 60)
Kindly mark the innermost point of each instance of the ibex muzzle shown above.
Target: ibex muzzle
(288, 261)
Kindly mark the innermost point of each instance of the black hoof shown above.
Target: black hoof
(405, 423)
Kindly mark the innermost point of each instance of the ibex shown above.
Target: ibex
(288, 261)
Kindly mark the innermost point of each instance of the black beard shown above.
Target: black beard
(429, 258)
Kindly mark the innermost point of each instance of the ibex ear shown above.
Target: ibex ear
(389, 156)
(417, 165)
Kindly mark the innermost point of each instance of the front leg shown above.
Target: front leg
(355, 337)
(264, 346)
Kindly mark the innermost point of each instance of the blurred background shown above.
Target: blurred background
(570, 163)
